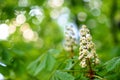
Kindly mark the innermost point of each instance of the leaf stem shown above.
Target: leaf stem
(99, 77)
(71, 70)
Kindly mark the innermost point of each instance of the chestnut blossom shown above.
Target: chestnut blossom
(70, 38)
(87, 48)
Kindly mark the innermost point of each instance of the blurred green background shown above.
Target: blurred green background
(31, 28)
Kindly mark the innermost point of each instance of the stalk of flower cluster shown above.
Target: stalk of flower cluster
(70, 40)
(87, 52)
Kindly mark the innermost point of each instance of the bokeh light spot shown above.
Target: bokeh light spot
(4, 31)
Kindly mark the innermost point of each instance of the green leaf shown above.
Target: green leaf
(4, 70)
(59, 75)
(36, 66)
(54, 78)
(113, 65)
(50, 62)
(40, 66)
(69, 64)
(54, 52)
(44, 62)
(33, 65)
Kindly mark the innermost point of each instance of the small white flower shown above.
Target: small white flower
(93, 51)
(84, 26)
(67, 48)
(81, 56)
(85, 51)
(1, 77)
(83, 63)
(90, 55)
(97, 61)
(88, 37)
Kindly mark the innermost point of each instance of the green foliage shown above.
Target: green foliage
(113, 65)
(59, 75)
(45, 58)
(45, 61)
(110, 69)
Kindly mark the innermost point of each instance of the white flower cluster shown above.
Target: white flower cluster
(70, 39)
(87, 48)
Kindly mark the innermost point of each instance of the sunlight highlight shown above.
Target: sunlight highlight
(4, 31)
(55, 3)
(20, 19)
(36, 13)
(82, 16)
(23, 3)
(28, 33)
(12, 28)
(1, 77)
(63, 18)
(2, 64)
